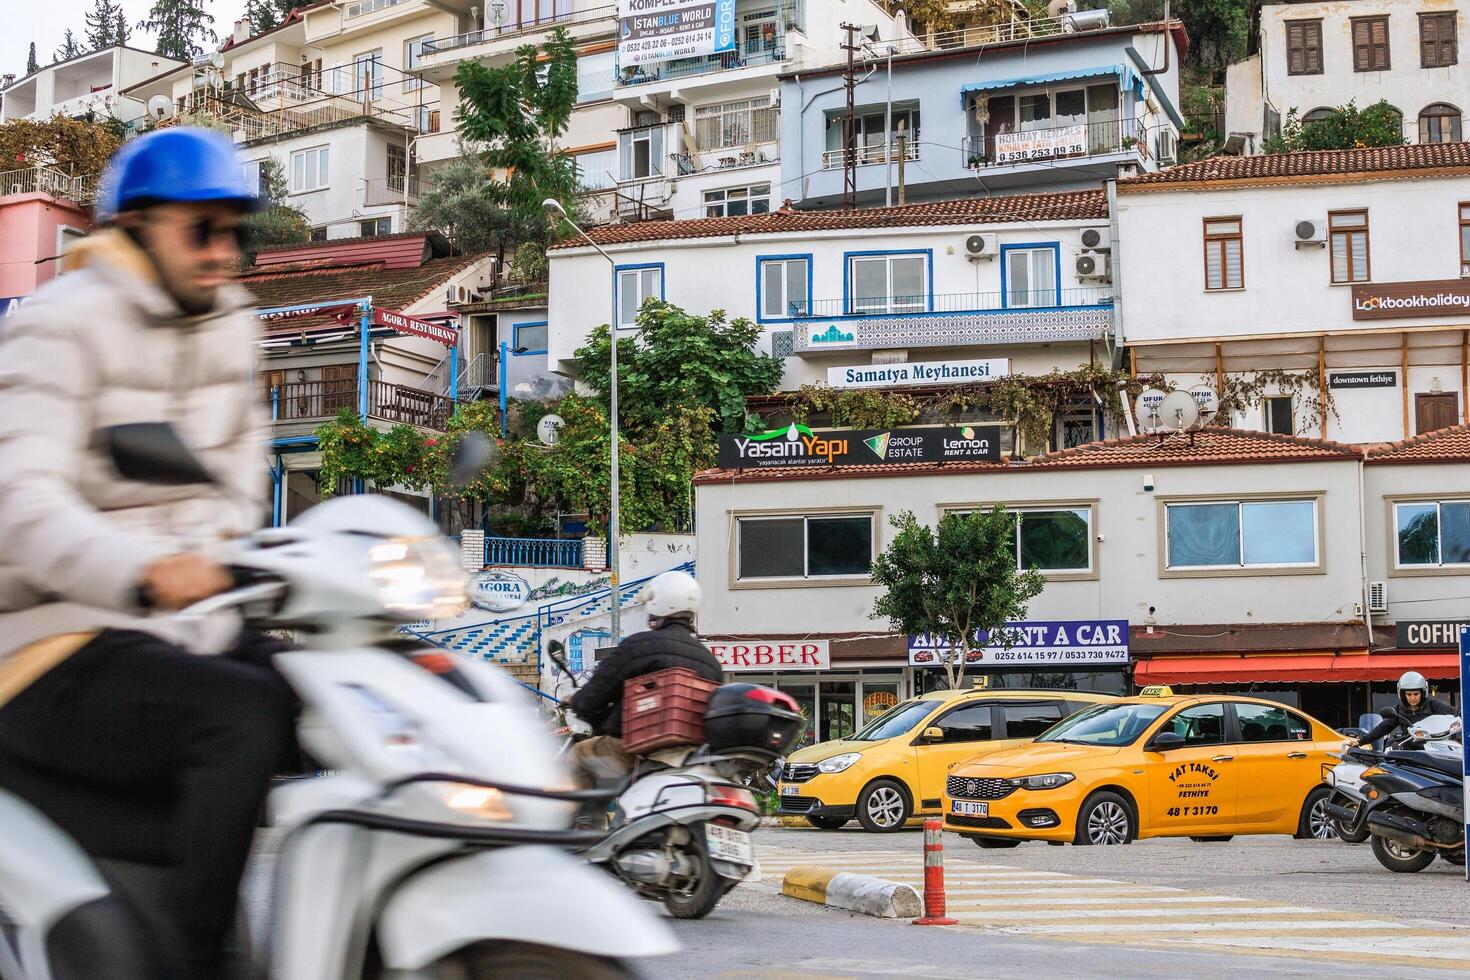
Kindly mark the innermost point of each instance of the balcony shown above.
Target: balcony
(387, 191)
(760, 42)
(313, 401)
(1054, 143)
(249, 125)
(534, 552)
(44, 180)
(604, 16)
(877, 153)
(969, 37)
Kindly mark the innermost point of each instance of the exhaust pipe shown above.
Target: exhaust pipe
(1406, 830)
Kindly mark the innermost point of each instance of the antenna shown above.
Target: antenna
(160, 107)
(1148, 409)
(497, 12)
(1208, 402)
(1178, 412)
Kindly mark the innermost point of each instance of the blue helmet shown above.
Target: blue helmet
(173, 165)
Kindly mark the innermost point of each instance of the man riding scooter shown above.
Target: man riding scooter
(1414, 705)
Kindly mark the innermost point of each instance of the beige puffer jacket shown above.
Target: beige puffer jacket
(103, 346)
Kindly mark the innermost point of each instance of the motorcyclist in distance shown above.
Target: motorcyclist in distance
(1414, 705)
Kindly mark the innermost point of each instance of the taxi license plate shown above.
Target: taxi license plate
(969, 809)
(728, 844)
(789, 790)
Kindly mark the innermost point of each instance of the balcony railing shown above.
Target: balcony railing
(745, 56)
(44, 180)
(255, 124)
(1053, 143)
(1008, 299)
(369, 6)
(877, 153)
(385, 191)
(304, 401)
(515, 30)
(534, 552)
(966, 37)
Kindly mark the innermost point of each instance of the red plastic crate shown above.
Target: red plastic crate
(665, 708)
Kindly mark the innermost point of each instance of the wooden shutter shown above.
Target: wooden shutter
(1296, 49)
(1434, 412)
(1370, 44)
(1437, 40)
(339, 387)
(1313, 44)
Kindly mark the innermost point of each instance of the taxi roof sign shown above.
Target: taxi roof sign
(1157, 691)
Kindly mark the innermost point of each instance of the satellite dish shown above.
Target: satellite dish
(218, 60)
(1208, 402)
(1148, 406)
(548, 430)
(496, 12)
(1178, 411)
(160, 107)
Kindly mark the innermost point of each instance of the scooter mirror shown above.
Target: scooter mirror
(474, 454)
(151, 452)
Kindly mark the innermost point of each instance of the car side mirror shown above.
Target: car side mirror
(151, 452)
(933, 734)
(1164, 741)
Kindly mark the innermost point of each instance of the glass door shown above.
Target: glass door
(804, 693)
(837, 712)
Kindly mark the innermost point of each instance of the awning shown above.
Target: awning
(1305, 667)
(1126, 79)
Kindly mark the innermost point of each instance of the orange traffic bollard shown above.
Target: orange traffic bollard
(934, 877)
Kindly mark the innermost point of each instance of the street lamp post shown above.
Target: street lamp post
(553, 207)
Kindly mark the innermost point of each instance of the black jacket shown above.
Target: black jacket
(600, 702)
(1399, 715)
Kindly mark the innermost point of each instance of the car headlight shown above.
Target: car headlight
(418, 578)
(1050, 780)
(838, 763)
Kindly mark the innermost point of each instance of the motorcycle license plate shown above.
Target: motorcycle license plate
(789, 790)
(969, 809)
(728, 844)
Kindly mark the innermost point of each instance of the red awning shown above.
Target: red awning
(1350, 667)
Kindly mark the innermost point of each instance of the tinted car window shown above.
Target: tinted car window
(1270, 723)
(1030, 720)
(1106, 724)
(895, 721)
(968, 724)
(1201, 725)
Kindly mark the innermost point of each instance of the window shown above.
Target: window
(397, 167)
(971, 723)
(413, 53)
(1319, 114)
(805, 547)
(1433, 532)
(1054, 540)
(737, 201)
(319, 234)
(1279, 416)
(1439, 123)
(1349, 233)
(1030, 275)
(367, 75)
(1106, 724)
(597, 171)
(868, 124)
(375, 226)
(1304, 47)
(784, 287)
(1438, 44)
(595, 76)
(1370, 43)
(1245, 534)
(1464, 239)
(309, 169)
(529, 338)
(890, 283)
(1030, 720)
(636, 284)
(255, 176)
(1269, 723)
(642, 153)
(1201, 725)
(1224, 268)
(735, 124)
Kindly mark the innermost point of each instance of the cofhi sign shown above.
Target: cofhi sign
(1391, 300)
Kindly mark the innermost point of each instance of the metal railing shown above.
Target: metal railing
(44, 180)
(383, 191)
(252, 124)
(1057, 143)
(877, 153)
(368, 7)
(301, 401)
(1008, 299)
(534, 552)
(515, 30)
(966, 37)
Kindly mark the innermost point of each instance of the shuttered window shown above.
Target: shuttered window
(1370, 44)
(1349, 233)
(1224, 266)
(1304, 47)
(1438, 44)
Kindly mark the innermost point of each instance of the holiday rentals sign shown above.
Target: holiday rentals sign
(659, 30)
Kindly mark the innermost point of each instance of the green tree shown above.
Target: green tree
(102, 24)
(262, 14)
(69, 48)
(279, 223)
(1347, 128)
(32, 65)
(954, 581)
(179, 26)
(122, 34)
(460, 205)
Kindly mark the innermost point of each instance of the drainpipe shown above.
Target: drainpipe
(1363, 552)
(362, 358)
(1117, 261)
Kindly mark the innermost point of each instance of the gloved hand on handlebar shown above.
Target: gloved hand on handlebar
(176, 581)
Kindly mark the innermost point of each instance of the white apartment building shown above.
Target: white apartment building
(1315, 55)
(89, 83)
(1331, 289)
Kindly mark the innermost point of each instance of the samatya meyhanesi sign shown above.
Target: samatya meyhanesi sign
(796, 445)
(1389, 300)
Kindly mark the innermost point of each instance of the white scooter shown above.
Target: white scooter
(437, 846)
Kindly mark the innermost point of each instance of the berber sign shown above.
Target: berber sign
(747, 655)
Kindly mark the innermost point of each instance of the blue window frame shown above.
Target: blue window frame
(891, 281)
(632, 284)
(783, 287)
(531, 336)
(1031, 274)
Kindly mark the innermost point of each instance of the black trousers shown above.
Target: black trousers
(144, 752)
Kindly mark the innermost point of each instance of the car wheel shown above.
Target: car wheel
(883, 806)
(995, 843)
(1315, 823)
(1400, 857)
(1105, 818)
(1213, 840)
(827, 823)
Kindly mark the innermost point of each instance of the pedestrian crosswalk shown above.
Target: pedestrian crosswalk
(1052, 905)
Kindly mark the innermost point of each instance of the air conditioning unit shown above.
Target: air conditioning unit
(775, 98)
(1312, 231)
(451, 296)
(982, 246)
(1096, 239)
(1378, 597)
(1095, 265)
(1168, 148)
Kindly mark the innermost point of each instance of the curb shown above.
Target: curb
(785, 822)
(852, 892)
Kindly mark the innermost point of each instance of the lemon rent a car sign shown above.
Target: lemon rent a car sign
(1073, 643)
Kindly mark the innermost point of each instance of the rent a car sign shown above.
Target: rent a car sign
(1049, 643)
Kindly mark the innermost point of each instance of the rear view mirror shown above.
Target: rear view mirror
(933, 734)
(151, 452)
(1164, 741)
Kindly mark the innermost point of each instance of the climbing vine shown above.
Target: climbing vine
(1249, 389)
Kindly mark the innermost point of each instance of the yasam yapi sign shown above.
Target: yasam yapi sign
(796, 445)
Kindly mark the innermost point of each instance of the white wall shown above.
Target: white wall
(1412, 594)
(356, 152)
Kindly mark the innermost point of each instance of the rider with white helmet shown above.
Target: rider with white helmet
(1414, 705)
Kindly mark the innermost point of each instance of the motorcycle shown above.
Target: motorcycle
(1416, 798)
(436, 845)
(1346, 808)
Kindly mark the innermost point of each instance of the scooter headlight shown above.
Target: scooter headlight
(418, 578)
(480, 802)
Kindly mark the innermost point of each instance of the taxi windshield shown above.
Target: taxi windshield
(1105, 724)
(895, 721)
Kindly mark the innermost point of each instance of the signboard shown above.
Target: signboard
(797, 445)
(1465, 722)
(1386, 300)
(832, 337)
(919, 373)
(768, 655)
(498, 591)
(1363, 379)
(441, 332)
(1043, 144)
(1069, 643)
(1429, 634)
(659, 30)
(342, 311)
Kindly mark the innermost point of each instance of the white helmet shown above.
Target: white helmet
(1413, 681)
(670, 594)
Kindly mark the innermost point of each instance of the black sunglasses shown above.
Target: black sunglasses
(204, 231)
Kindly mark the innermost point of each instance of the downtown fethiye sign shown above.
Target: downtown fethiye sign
(796, 446)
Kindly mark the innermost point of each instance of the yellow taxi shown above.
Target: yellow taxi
(1205, 766)
(894, 767)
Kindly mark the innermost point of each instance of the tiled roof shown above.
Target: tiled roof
(1308, 164)
(1071, 205)
(434, 236)
(1450, 445)
(393, 289)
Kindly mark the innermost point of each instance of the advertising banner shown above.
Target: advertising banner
(1064, 141)
(1386, 300)
(661, 30)
(444, 334)
(772, 655)
(1428, 634)
(1069, 643)
(918, 373)
(342, 311)
(499, 591)
(797, 445)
